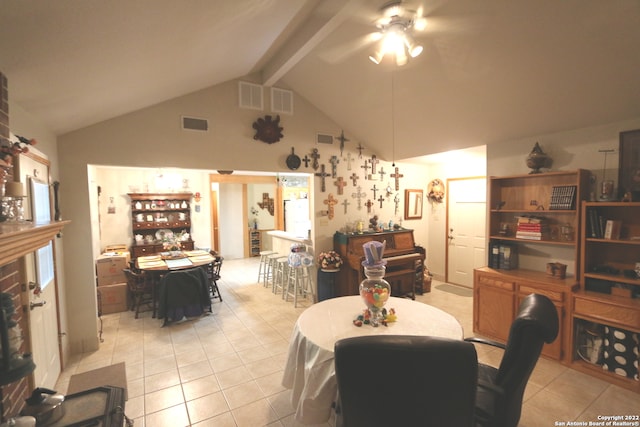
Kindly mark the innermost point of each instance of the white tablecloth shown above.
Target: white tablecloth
(309, 371)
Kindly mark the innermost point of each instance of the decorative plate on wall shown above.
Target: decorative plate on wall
(268, 130)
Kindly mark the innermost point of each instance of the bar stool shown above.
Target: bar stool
(270, 271)
(298, 283)
(262, 267)
(280, 275)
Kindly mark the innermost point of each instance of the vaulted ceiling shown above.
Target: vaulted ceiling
(491, 70)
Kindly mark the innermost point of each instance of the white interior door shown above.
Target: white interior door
(466, 238)
(40, 275)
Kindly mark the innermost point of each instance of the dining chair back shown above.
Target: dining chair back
(183, 293)
(401, 380)
(213, 274)
(141, 287)
(501, 390)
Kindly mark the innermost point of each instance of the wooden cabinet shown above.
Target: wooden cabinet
(497, 296)
(609, 294)
(155, 217)
(552, 200)
(255, 242)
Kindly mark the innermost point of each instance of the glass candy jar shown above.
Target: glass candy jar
(375, 291)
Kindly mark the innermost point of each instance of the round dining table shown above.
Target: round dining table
(309, 371)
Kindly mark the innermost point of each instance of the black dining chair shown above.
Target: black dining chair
(183, 293)
(141, 288)
(399, 380)
(213, 274)
(500, 390)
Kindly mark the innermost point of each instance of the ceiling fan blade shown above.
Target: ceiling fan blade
(341, 52)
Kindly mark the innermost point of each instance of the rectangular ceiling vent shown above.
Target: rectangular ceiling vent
(194, 123)
(324, 138)
(250, 96)
(281, 101)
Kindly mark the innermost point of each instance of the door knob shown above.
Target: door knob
(33, 305)
(450, 236)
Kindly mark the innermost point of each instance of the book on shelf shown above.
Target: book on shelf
(494, 254)
(563, 197)
(531, 228)
(612, 229)
(529, 220)
(597, 226)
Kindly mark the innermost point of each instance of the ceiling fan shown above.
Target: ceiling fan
(402, 28)
(395, 31)
(395, 24)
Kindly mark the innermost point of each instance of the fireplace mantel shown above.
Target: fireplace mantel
(19, 239)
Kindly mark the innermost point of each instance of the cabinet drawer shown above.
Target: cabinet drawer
(495, 282)
(552, 295)
(143, 250)
(608, 313)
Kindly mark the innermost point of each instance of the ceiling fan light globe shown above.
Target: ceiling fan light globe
(376, 57)
(420, 24)
(415, 50)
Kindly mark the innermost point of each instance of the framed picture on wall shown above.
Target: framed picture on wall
(629, 165)
(412, 204)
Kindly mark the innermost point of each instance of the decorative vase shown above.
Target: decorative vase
(537, 159)
(375, 291)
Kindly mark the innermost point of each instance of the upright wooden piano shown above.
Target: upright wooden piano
(405, 262)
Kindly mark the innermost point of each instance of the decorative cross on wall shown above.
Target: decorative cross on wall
(368, 205)
(349, 158)
(354, 178)
(267, 203)
(306, 161)
(396, 201)
(315, 156)
(375, 190)
(382, 173)
(374, 161)
(365, 166)
(334, 166)
(360, 148)
(381, 199)
(342, 140)
(322, 174)
(330, 202)
(359, 195)
(345, 203)
(340, 183)
(397, 175)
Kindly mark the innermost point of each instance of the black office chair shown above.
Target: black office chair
(141, 289)
(500, 391)
(398, 380)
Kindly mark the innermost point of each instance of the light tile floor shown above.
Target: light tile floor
(225, 369)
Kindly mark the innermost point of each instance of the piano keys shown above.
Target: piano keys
(405, 262)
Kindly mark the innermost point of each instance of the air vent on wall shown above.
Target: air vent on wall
(194, 123)
(323, 138)
(281, 101)
(250, 96)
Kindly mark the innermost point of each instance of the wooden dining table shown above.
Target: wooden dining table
(165, 261)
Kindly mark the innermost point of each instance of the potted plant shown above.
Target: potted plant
(329, 261)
